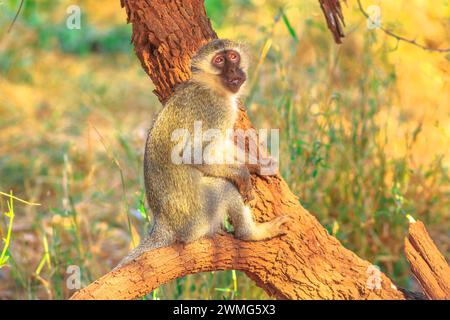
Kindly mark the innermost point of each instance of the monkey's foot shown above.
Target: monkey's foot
(276, 226)
(265, 230)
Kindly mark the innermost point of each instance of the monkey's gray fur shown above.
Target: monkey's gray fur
(190, 201)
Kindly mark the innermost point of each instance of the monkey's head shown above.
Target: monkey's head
(222, 64)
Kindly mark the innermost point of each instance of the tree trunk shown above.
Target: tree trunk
(306, 263)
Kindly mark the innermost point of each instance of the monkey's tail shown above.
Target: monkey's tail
(157, 238)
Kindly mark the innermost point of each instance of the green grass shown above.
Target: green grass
(4, 256)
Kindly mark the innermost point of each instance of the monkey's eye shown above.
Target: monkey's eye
(219, 60)
(233, 56)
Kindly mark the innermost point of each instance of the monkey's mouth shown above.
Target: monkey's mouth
(234, 83)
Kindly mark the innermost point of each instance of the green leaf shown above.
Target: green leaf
(289, 26)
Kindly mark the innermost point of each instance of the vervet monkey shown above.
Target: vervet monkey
(191, 200)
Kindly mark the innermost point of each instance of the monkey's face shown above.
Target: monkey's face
(228, 62)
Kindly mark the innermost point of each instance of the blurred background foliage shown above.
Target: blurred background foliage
(365, 133)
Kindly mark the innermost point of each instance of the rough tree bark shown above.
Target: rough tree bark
(307, 263)
(427, 263)
(335, 19)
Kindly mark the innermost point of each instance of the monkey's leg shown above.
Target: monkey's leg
(214, 203)
(245, 227)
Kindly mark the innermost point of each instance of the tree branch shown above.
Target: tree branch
(427, 263)
(332, 11)
(307, 263)
(400, 38)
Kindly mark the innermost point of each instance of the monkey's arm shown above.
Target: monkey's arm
(236, 173)
(256, 162)
(250, 155)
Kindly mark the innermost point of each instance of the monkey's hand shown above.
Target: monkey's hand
(243, 182)
(267, 166)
